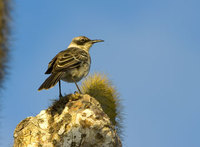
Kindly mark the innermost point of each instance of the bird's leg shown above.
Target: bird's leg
(60, 95)
(77, 87)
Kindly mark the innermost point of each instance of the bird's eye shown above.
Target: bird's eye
(82, 40)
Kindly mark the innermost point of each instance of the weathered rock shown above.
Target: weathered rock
(73, 121)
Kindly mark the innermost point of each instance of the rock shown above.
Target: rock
(73, 121)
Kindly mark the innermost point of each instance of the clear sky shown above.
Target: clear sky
(151, 53)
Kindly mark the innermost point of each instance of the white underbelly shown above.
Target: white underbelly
(76, 74)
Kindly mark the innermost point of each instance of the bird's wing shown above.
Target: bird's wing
(51, 63)
(69, 59)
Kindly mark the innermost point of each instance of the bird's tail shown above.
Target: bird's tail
(50, 81)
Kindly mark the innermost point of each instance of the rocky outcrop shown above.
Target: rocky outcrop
(72, 121)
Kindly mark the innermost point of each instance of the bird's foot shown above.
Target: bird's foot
(60, 96)
(77, 92)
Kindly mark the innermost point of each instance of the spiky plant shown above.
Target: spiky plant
(4, 32)
(99, 87)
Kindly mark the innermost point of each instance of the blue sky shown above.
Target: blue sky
(151, 53)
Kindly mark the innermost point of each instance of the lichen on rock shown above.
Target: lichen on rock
(73, 121)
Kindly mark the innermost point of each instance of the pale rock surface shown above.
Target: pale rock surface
(73, 121)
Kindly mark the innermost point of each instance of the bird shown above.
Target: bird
(70, 65)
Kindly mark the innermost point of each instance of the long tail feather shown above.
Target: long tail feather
(50, 81)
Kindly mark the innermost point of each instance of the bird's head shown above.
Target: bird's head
(83, 42)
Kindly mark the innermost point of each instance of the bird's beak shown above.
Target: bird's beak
(98, 40)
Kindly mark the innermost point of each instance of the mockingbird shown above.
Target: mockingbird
(70, 65)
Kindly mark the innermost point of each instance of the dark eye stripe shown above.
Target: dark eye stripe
(82, 41)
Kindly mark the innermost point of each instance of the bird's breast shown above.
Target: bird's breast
(76, 73)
